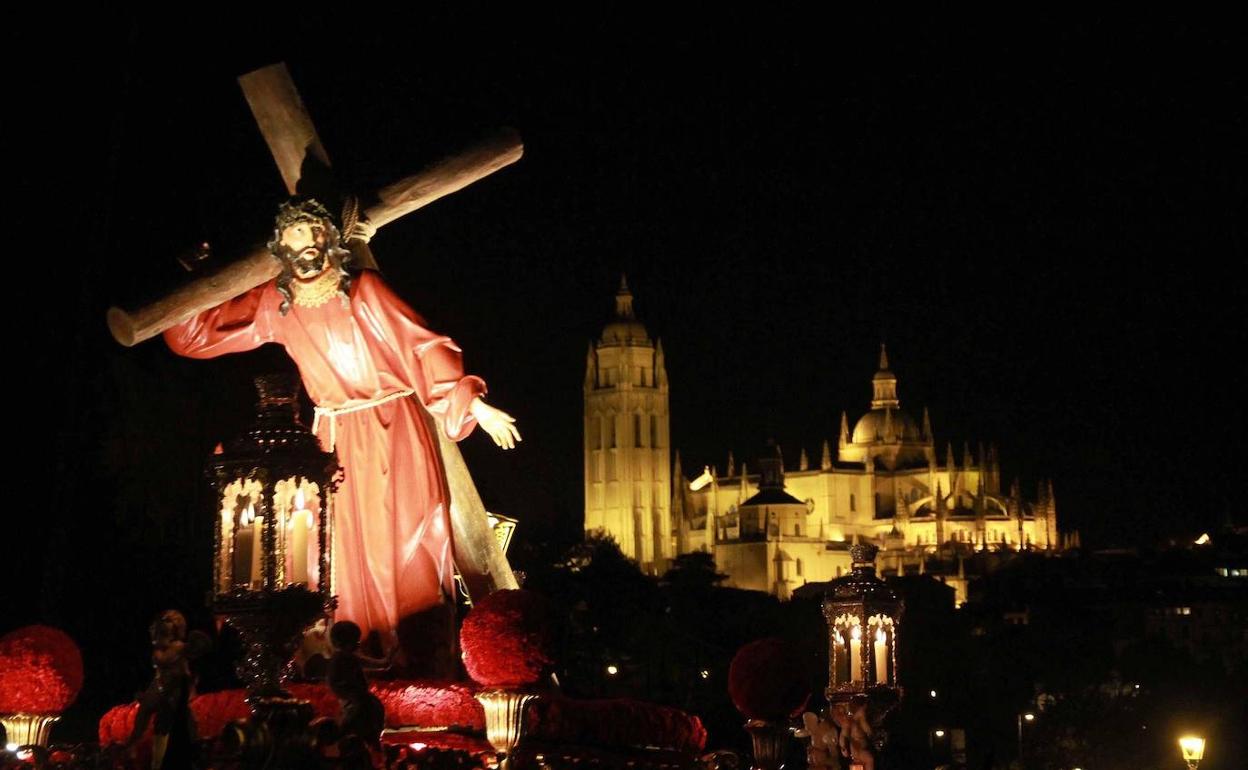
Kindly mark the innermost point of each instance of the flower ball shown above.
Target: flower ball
(40, 671)
(506, 639)
(765, 680)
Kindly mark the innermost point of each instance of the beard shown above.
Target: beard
(309, 262)
(311, 265)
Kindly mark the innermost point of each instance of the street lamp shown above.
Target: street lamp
(1028, 717)
(1193, 749)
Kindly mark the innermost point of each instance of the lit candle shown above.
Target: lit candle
(300, 523)
(881, 657)
(244, 547)
(227, 540)
(855, 655)
(842, 664)
(257, 547)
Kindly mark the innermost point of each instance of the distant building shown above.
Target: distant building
(780, 528)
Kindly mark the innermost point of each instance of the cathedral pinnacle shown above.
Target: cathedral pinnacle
(883, 358)
(624, 300)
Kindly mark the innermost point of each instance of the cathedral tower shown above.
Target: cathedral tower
(628, 482)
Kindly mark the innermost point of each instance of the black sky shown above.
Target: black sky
(1044, 220)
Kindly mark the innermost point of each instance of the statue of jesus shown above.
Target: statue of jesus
(366, 359)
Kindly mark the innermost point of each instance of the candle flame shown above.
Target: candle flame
(879, 636)
(857, 633)
(300, 502)
(248, 516)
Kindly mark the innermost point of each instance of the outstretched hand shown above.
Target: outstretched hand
(500, 426)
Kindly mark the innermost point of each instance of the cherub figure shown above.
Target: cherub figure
(854, 740)
(362, 713)
(168, 696)
(821, 751)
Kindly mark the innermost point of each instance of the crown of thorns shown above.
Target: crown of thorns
(306, 210)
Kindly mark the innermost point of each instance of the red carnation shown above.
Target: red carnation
(429, 704)
(506, 639)
(40, 671)
(764, 681)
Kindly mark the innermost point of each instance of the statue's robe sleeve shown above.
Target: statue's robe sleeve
(241, 324)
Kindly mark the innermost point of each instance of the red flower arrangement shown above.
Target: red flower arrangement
(429, 704)
(40, 671)
(764, 681)
(407, 704)
(607, 723)
(117, 722)
(506, 639)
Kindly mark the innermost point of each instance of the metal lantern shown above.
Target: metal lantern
(271, 549)
(863, 616)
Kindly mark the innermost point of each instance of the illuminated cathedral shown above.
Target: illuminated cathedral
(775, 527)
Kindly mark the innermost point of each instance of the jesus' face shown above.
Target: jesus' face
(304, 246)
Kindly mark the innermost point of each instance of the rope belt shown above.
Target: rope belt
(332, 412)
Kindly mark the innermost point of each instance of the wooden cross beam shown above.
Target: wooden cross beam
(304, 165)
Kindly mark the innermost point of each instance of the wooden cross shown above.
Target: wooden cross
(304, 165)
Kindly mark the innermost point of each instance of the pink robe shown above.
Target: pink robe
(392, 531)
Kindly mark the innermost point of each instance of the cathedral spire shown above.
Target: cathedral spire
(884, 385)
(967, 460)
(732, 465)
(624, 300)
(927, 425)
(843, 441)
(803, 462)
(825, 462)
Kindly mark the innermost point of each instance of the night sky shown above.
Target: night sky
(1044, 221)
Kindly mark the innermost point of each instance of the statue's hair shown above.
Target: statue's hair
(309, 210)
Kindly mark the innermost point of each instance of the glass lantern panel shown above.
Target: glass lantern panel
(298, 505)
(239, 559)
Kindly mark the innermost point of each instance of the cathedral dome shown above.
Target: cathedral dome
(624, 331)
(871, 426)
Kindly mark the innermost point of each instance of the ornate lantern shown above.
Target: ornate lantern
(863, 617)
(271, 549)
